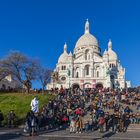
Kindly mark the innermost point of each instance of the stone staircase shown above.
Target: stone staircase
(134, 127)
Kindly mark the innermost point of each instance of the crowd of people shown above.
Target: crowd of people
(83, 111)
(86, 110)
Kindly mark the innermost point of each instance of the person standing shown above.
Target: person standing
(115, 119)
(1, 118)
(79, 125)
(34, 124)
(72, 126)
(126, 121)
(11, 118)
(101, 123)
(27, 127)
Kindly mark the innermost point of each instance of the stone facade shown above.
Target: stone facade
(87, 67)
(9, 83)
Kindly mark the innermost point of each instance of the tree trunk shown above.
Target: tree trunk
(43, 89)
(27, 89)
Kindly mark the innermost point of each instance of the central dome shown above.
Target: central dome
(87, 40)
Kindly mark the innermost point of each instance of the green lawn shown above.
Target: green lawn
(20, 103)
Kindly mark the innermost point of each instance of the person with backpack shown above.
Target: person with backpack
(27, 127)
(34, 124)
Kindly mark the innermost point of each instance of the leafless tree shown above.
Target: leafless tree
(24, 69)
(44, 76)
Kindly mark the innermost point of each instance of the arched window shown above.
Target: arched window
(4, 86)
(114, 66)
(77, 75)
(77, 72)
(64, 67)
(87, 70)
(97, 73)
(87, 55)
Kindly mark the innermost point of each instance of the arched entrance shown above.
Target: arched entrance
(75, 86)
(99, 85)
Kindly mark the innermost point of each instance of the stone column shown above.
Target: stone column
(83, 72)
(91, 72)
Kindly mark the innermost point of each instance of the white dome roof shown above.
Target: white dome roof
(105, 53)
(63, 57)
(112, 55)
(87, 40)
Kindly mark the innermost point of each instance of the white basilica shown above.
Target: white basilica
(87, 67)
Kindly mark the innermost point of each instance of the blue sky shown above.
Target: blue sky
(40, 28)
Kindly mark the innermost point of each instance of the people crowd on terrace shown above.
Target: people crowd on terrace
(88, 110)
(84, 111)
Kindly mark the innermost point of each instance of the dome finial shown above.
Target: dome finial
(86, 27)
(110, 44)
(65, 47)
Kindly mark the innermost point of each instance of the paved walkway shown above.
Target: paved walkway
(18, 134)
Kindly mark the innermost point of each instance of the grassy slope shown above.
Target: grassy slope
(20, 103)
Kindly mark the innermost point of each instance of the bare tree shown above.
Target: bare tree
(44, 76)
(22, 68)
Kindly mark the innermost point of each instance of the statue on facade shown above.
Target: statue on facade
(107, 71)
(55, 76)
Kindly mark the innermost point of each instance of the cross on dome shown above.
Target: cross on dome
(65, 47)
(110, 44)
(87, 27)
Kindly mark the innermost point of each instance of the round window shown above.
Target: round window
(63, 78)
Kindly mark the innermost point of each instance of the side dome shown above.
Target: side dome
(64, 56)
(112, 55)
